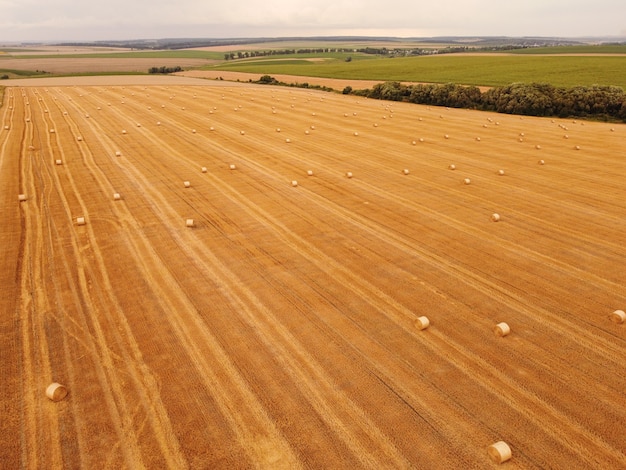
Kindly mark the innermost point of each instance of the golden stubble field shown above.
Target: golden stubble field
(279, 331)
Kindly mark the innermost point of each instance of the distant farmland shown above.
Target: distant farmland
(559, 66)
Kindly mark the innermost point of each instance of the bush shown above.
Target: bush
(534, 99)
(165, 69)
(267, 80)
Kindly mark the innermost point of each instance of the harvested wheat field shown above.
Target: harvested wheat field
(266, 277)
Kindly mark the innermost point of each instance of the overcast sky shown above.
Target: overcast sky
(59, 20)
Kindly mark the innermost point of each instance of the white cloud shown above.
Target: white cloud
(123, 19)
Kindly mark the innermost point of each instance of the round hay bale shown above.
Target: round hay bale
(309, 172)
(413, 143)
(577, 147)
(79, 138)
(477, 139)
(187, 184)
(375, 124)
(446, 136)
(118, 153)
(452, 166)
(502, 329)
(501, 172)
(278, 129)
(422, 323)
(294, 183)
(56, 392)
(80, 221)
(495, 217)
(542, 162)
(538, 147)
(356, 134)
(242, 132)
(203, 169)
(288, 141)
(189, 223)
(405, 171)
(421, 139)
(467, 181)
(349, 174)
(51, 131)
(211, 128)
(307, 132)
(566, 136)
(59, 162)
(21, 197)
(123, 131)
(233, 166)
(193, 131)
(618, 316)
(499, 452)
(6, 128)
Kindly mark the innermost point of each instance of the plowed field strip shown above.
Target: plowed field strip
(245, 305)
(12, 239)
(264, 218)
(111, 388)
(143, 379)
(34, 306)
(184, 329)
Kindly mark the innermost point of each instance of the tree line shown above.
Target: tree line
(530, 99)
(165, 69)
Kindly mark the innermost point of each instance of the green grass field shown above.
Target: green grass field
(582, 49)
(485, 70)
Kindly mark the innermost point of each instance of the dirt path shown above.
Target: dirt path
(335, 84)
(279, 331)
